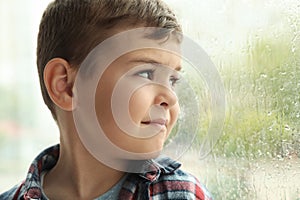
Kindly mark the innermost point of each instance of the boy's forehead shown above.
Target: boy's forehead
(134, 44)
(161, 38)
(155, 57)
(145, 49)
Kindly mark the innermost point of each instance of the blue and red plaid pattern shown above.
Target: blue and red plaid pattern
(167, 181)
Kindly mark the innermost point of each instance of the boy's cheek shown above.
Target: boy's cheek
(175, 112)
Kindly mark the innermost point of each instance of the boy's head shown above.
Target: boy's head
(70, 29)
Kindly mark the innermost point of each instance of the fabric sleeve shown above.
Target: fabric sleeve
(10, 194)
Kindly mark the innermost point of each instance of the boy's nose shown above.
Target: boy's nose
(165, 97)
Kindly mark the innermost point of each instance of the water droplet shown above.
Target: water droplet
(281, 88)
(269, 113)
(263, 75)
(282, 73)
(287, 127)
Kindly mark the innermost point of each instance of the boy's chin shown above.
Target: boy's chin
(130, 162)
(142, 156)
(140, 164)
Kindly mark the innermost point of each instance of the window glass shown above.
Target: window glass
(255, 47)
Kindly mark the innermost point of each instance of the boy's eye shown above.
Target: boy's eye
(148, 74)
(174, 80)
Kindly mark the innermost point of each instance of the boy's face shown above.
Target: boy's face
(151, 106)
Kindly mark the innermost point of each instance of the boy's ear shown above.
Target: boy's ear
(59, 79)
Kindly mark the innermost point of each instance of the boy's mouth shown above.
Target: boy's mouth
(161, 122)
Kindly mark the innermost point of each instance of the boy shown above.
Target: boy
(133, 102)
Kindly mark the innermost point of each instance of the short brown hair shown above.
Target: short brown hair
(70, 29)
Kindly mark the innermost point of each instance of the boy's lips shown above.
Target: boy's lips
(161, 122)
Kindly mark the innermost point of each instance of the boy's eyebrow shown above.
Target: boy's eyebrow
(152, 61)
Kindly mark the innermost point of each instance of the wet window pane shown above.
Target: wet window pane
(255, 46)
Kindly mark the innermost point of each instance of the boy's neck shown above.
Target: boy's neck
(77, 174)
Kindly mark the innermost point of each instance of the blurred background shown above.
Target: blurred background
(255, 45)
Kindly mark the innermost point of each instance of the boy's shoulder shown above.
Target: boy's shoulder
(180, 185)
(167, 182)
(11, 193)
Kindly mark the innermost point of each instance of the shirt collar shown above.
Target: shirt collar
(161, 165)
(48, 159)
(42, 163)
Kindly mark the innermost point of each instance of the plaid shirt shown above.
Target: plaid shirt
(166, 182)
